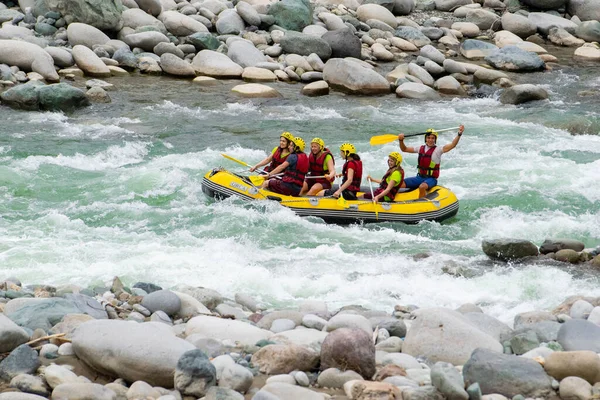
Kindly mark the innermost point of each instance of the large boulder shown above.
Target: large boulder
(449, 85)
(354, 77)
(218, 328)
(243, 52)
(545, 4)
(45, 313)
(61, 97)
(305, 45)
(282, 359)
(145, 40)
(11, 335)
(343, 43)
(28, 57)
(292, 14)
(586, 10)
(374, 11)
(577, 334)
(513, 58)
(524, 93)
(349, 349)
(135, 18)
(103, 14)
(181, 25)
(86, 35)
(589, 31)
(229, 22)
(518, 375)
(509, 249)
(490, 325)
(473, 49)
(484, 19)
(133, 351)
(545, 21)
(22, 97)
(173, 65)
(413, 35)
(89, 62)
(518, 24)
(445, 335)
(152, 7)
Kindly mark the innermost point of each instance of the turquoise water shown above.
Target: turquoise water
(115, 189)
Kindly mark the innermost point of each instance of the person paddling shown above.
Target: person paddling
(430, 158)
(322, 165)
(278, 155)
(391, 181)
(351, 174)
(294, 170)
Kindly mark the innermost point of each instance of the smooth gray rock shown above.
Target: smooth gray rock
(136, 18)
(173, 65)
(243, 52)
(229, 23)
(472, 48)
(28, 57)
(545, 4)
(394, 326)
(586, 10)
(483, 18)
(11, 335)
(579, 334)
(248, 13)
(222, 329)
(413, 35)
(513, 58)
(22, 360)
(545, 21)
(304, 45)
(449, 5)
(125, 58)
(414, 90)
(62, 58)
(133, 351)
(490, 325)
(449, 381)
(86, 35)
(527, 319)
(30, 384)
(209, 297)
(518, 24)
(519, 375)
(523, 342)
(445, 335)
(83, 391)
(343, 43)
(89, 62)
(194, 374)
(163, 48)
(432, 53)
(335, 378)
(152, 7)
(554, 245)
(509, 249)
(519, 94)
(236, 377)
(353, 77)
(145, 40)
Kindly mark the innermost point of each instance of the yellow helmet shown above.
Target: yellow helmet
(299, 142)
(287, 136)
(397, 157)
(319, 141)
(430, 131)
(348, 148)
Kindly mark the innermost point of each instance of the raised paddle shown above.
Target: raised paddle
(245, 164)
(389, 137)
(373, 198)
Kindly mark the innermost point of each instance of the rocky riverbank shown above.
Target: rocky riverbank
(145, 342)
(432, 48)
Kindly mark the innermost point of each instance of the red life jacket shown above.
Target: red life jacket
(383, 185)
(277, 159)
(357, 167)
(427, 168)
(317, 167)
(296, 176)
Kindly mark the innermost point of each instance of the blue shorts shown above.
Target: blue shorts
(415, 181)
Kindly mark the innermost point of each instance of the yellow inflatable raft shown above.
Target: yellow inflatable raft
(439, 204)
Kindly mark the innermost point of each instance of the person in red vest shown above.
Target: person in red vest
(351, 174)
(321, 163)
(391, 181)
(294, 170)
(278, 155)
(430, 158)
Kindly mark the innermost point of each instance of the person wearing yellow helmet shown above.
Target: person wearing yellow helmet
(278, 155)
(429, 160)
(294, 170)
(392, 180)
(321, 165)
(351, 174)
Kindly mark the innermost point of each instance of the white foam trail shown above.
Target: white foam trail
(302, 113)
(113, 157)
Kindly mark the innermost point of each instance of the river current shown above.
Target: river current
(115, 190)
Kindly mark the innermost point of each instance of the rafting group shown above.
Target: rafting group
(290, 171)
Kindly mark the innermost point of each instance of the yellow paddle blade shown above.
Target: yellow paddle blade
(257, 180)
(236, 160)
(341, 201)
(382, 139)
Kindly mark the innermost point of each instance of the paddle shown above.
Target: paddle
(373, 198)
(315, 177)
(389, 137)
(243, 163)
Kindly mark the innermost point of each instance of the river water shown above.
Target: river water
(115, 189)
